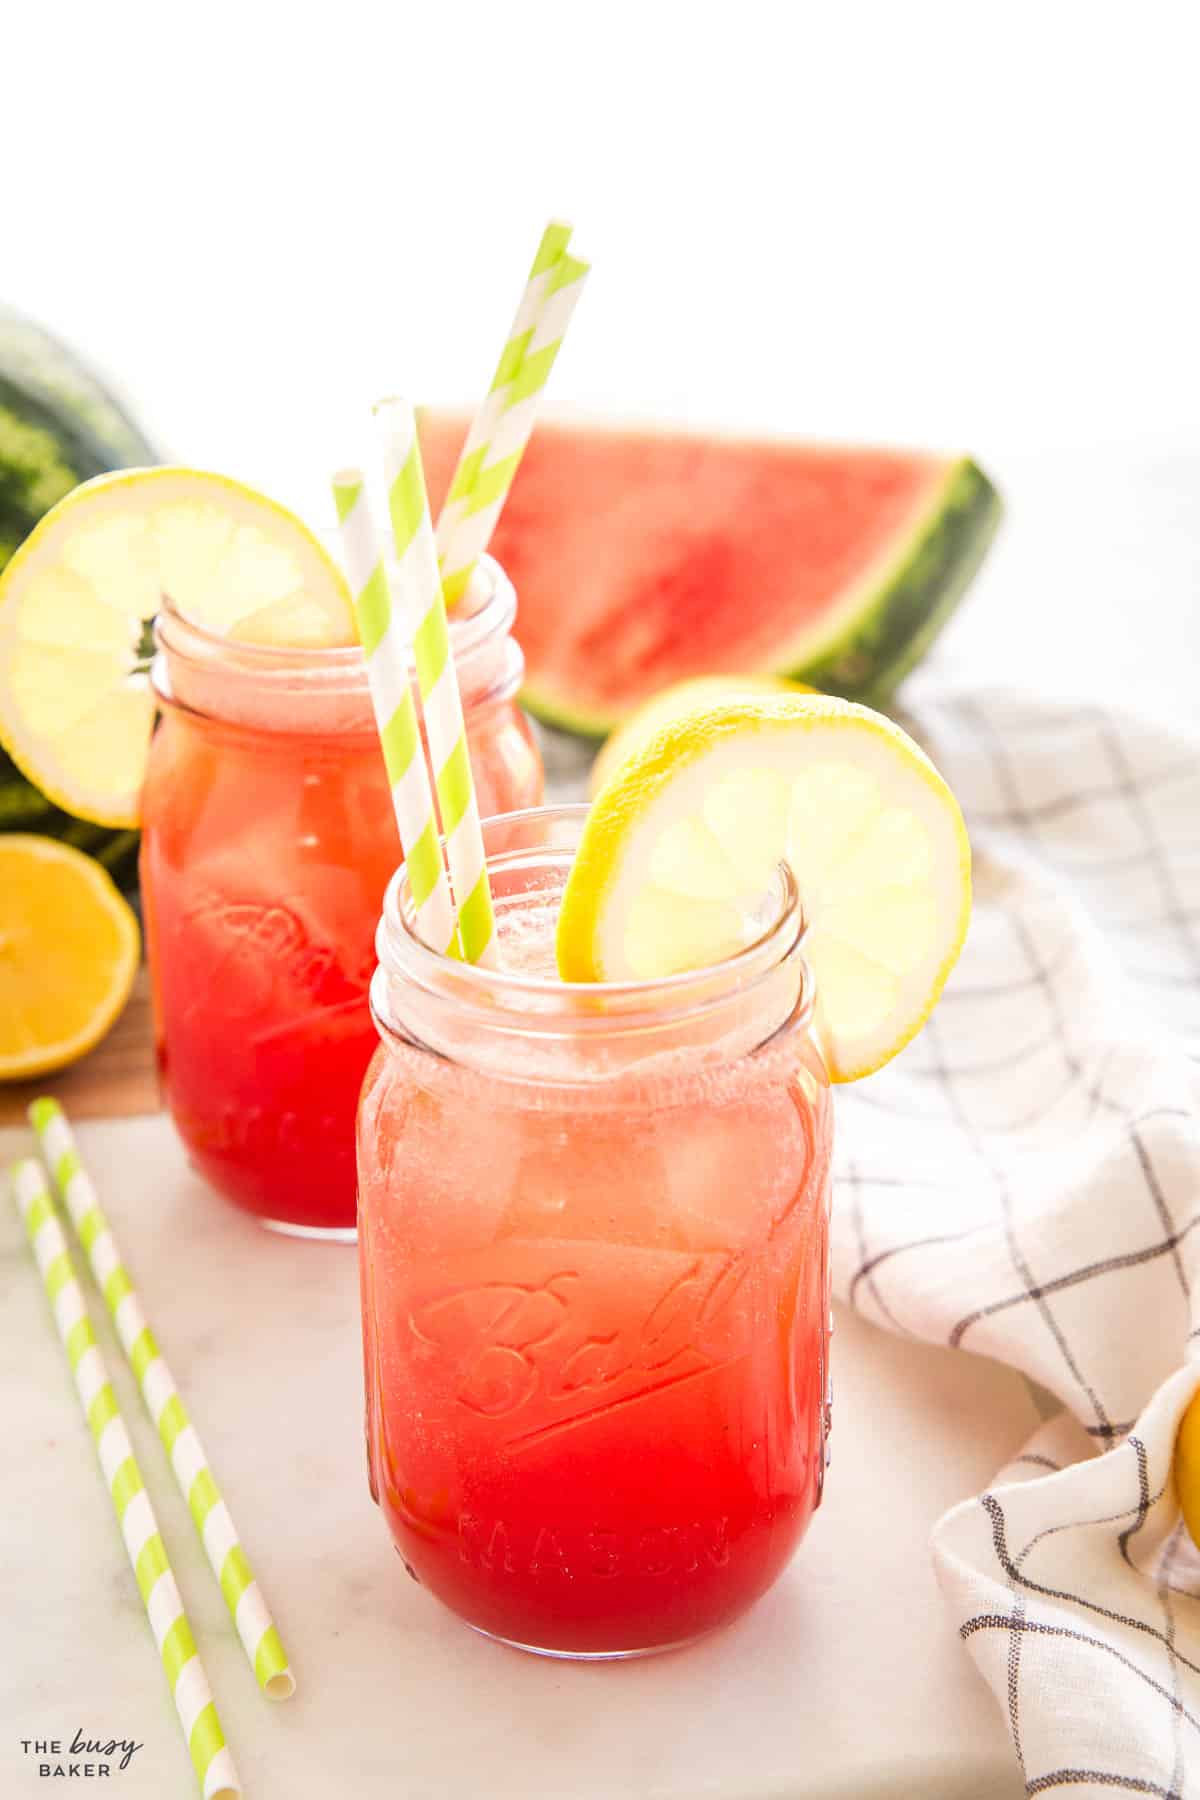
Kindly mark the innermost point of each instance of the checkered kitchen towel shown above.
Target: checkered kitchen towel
(1025, 1182)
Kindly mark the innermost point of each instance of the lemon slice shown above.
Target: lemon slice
(75, 713)
(673, 703)
(69, 949)
(679, 849)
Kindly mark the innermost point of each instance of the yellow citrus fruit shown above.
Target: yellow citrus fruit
(76, 712)
(680, 847)
(1187, 1467)
(69, 949)
(672, 703)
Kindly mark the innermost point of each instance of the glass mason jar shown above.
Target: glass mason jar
(594, 1253)
(268, 840)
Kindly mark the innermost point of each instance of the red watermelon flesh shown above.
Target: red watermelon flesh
(642, 556)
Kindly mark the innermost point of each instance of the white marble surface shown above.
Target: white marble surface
(845, 1681)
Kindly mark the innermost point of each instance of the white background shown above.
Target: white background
(965, 224)
(968, 225)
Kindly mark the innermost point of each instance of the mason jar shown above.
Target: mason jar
(268, 841)
(594, 1254)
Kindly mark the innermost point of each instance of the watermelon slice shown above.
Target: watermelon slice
(642, 556)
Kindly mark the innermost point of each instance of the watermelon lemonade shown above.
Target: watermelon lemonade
(268, 841)
(593, 1235)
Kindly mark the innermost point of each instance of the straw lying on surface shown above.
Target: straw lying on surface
(550, 251)
(387, 652)
(502, 429)
(419, 591)
(143, 1544)
(229, 1562)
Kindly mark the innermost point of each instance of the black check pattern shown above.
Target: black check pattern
(1024, 1182)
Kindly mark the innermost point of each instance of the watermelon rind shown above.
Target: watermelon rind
(879, 631)
(914, 598)
(59, 425)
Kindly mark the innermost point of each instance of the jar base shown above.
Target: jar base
(319, 1234)
(590, 1656)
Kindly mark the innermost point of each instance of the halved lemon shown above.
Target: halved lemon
(674, 702)
(679, 849)
(69, 947)
(75, 714)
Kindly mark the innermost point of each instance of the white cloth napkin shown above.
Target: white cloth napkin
(1024, 1182)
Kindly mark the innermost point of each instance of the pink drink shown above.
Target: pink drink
(594, 1252)
(268, 841)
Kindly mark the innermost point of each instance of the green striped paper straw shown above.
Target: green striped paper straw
(552, 248)
(228, 1560)
(466, 532)
(388, 656)
(419, 588)
(143, 1544)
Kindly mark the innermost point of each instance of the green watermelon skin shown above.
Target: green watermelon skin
(59, 426)
(918, 596)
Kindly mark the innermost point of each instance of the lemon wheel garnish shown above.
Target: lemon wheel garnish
(675, 702)
(69, 949)
(679, 849)
(75, 712)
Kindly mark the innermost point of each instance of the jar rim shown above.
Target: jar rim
(473, 628)
(544, 1004)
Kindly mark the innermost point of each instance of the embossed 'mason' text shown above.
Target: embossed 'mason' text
(503, 1548)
